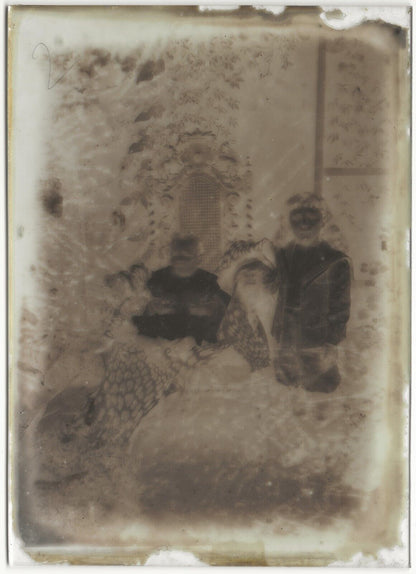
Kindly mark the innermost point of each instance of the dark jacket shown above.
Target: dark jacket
(183, 294)
(314, 297)
(200, 286)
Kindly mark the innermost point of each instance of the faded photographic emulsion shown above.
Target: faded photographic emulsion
(208, 225)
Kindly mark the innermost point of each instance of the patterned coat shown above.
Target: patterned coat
(132, 386)
(251, 342)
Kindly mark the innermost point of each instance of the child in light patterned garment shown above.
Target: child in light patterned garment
(247, 322)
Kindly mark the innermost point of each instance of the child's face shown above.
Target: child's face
(184, 263)
(306, 224)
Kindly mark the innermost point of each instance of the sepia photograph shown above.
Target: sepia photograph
(209, 298)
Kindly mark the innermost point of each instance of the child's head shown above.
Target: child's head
(184, 255)
(307, 215)
(253, 274)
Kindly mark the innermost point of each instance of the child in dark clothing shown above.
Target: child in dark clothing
(314, 305)
(187, 301)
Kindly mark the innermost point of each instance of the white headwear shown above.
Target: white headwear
(239, 253)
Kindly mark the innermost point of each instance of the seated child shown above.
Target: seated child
(186, 300)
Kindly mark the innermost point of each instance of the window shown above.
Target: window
(200, 214)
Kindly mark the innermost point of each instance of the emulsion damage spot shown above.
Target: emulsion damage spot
(52, 199)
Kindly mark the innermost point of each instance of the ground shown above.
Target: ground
(229, 446)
